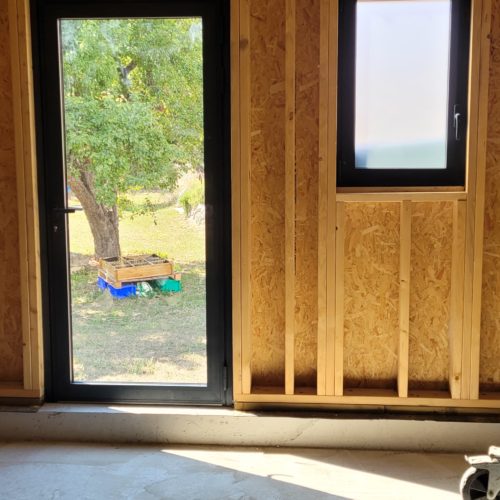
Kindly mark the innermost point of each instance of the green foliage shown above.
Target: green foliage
(192, 197)
(133, 96)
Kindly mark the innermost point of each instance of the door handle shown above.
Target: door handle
(60, 211)
(67, 210)
(456, 121)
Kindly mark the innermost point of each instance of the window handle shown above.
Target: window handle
(456, 121)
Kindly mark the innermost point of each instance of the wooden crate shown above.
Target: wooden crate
(117, 270)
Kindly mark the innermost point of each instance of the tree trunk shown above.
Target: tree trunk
(103, 220)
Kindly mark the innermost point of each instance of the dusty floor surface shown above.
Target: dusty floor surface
(87, 471)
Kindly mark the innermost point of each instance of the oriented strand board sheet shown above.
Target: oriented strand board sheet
(11, 354)
(371, 328)
(267, 52)
(306, 230)
(490, 320)
(430, 281)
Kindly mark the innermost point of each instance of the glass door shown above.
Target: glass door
(136, 191)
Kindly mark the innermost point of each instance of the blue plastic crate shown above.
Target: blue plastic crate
(102, 283)
(128, 290)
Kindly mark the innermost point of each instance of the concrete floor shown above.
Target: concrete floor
(91, 471)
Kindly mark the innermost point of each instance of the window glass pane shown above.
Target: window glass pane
(134, 143)
(402, 68)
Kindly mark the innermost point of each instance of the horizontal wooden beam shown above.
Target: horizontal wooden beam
(369, 398)
(17, 390)
(398, 197)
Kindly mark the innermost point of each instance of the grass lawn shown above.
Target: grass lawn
(167, 232)
(139, 339)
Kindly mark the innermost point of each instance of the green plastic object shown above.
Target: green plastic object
(144, 289)
(168, 285)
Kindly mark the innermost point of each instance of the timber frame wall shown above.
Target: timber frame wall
(377, 298)
(355, 296)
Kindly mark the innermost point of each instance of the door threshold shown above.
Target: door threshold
(217, 426)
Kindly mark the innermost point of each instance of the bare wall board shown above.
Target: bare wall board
(371, 290)
(267, 178)
(430, 284)
(11, 348)
(490, 320)
(306, 216)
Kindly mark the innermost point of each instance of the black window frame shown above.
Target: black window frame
(454, 173)
(59, 386)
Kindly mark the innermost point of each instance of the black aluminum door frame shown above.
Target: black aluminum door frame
(55, 272)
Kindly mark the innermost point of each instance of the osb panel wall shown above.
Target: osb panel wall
(11, 361)
(371, 330)
(430, 282)
(490, 321)
(267, 52)
(306, 229)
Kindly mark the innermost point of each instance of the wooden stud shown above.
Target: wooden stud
(339, 300)
(236, 193)
(290, 34)
(478, 97)
(455, 330)
(323, 197)
(410, 190)
(245, 162)
(27, 193)
(331, 285)
(370, 397)
(481, 142)
(404, 298)
(394, 196)
(17, 390)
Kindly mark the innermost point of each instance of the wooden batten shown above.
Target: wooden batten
(404, 297)
(245, 193)
(323, 197)
(398, 196)
(290, 191)
(236, 196)
(479, 213)
(490, 330)
(478, 96)
(339, 300)
(455, 331)
(332, 379)
(27, 195)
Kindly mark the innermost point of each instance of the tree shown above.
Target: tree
(133, 101)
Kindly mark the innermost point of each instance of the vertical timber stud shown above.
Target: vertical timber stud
(17, 95)
(455, 329)
(245, 161)
(484, 67)
(332, 357)
(290, 196)
(236, 192)
(339, 299)
(404, 297)
(476, 144)
(27, 192)
(323, 196)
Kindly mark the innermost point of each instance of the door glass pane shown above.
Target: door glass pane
(402, 67)
(134, 151)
